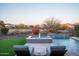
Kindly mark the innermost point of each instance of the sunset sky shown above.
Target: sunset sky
(31, 13)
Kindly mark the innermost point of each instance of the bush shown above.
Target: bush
(76, 30)
(4, 30)
(35, 31)
(50, 30)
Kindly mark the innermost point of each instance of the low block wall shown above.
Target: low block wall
(39, 40)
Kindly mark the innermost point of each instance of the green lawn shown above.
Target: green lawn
(6, 46)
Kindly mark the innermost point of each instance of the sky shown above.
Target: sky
(37, 13)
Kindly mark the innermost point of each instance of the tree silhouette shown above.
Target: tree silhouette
(52, 23)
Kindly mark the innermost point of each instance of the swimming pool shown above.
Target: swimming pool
(72, 46)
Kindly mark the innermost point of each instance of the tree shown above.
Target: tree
(3, 28)
(52, 23)
(30, 26)
(21, 26)
(76, 30)
(64, 27)
(2, 24)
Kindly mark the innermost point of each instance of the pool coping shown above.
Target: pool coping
(76, 38)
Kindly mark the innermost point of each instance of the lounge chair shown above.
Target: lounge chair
(57, 50)
(21, 50)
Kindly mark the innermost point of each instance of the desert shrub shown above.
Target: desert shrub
(35, 31)
(76, 30)
(50, 30)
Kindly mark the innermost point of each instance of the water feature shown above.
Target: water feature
(39, 35)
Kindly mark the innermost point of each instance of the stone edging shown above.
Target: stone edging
(76, 38)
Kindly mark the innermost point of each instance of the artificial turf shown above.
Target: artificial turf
(6, 45)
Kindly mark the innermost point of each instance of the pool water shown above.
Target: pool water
(71, 45)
